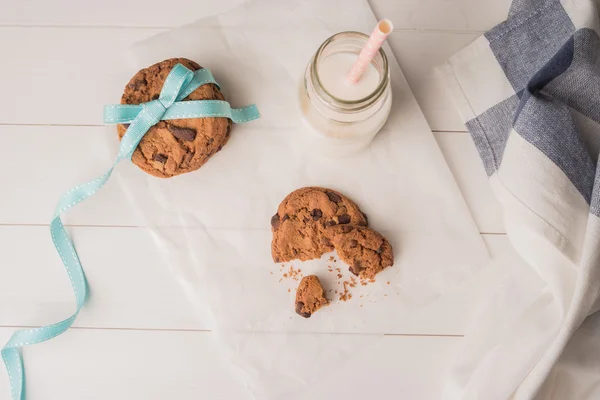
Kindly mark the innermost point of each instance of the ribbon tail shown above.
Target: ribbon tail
(14, 365)
(64, 246)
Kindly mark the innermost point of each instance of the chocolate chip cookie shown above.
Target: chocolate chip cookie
(302, 218)
(366, 251)
(310, 296)
(176, 146)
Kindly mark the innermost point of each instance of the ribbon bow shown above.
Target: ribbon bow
(179, 84)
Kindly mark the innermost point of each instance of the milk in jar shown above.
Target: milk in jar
(343, 118)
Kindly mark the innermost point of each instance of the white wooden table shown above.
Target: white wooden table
(144, 341)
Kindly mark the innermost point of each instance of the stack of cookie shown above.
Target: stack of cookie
(176, 146)
(312, 221)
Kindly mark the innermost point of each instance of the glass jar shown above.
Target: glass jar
(344, 126)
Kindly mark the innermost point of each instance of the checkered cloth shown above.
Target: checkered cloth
(529, 92)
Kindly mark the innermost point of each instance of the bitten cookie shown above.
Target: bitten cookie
(176, 146)
(302, 218)
(366, 251)
(310, 296)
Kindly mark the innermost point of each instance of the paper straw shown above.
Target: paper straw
(378, 36)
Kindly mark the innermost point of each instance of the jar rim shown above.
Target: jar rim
(371, 97)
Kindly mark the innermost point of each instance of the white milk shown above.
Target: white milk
(332, 73)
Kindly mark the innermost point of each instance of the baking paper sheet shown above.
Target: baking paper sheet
(213, 225)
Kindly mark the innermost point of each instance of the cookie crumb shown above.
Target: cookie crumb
(295, 274)
(345, 295)
(310, 296)
(388, 282)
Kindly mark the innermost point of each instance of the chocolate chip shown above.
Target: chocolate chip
(366, 218)
(356, 268)
(210, 140)
(333, 197)
(219, 148)
(285, 217)
(188, 134)
(276, 259)
(160, 158)
(275, 221)
(126, 126)
(138, 84)
(316, 214)
(352, 243)
(379, 250)
(346, 229)
(155, 97)
(330, 223)
(344, 219)
(228, 130)
(305, 219)
(299, 306)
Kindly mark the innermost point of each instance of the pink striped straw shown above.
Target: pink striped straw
(378, 36)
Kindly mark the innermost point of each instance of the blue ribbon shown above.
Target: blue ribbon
(179, 84)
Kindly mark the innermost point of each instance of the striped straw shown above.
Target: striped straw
(378, 36)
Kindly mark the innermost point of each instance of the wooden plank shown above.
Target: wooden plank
(135, 13)
(114, 364)
(406, 14)
(59, 158)
(121, 364)
(63, 75)
(131, 287)
(80, 70)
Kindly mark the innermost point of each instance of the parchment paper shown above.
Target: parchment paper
(213, 225)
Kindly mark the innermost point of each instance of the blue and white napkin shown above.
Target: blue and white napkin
(529, 93)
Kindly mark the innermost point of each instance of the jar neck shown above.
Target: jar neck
(348, 42)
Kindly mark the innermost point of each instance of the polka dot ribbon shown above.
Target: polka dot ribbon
(179, 84)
